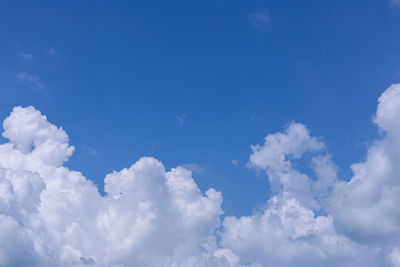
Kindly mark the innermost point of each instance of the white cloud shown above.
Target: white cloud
(90, 150)
(288, 232)
(235, 162)
(51, 51)
(360, 218)
(394, 3)
(365, 208)
(193, 167)
(394, 257)
(274, 154)
(24, 77)
(260, 20)
(24, 55)
(53, 216)
(181, 119)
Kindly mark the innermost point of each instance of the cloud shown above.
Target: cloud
(194, 167)
(260, 20)
(394, 3)
(25, 55)
(54, 216)
(51, 51)
(149, 216)
(181, 119)
(90, 150)
(289, 231)
(235, 162)
(365, 208)
(27, 78)
(359, 219)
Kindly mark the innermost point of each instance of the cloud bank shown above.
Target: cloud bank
(150, 216)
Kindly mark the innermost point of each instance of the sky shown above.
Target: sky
(272, 104)
(199, 82)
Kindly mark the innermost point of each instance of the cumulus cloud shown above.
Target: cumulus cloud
(149, 216)
(289, 231)
(365, 208)
(52, 216)
(193, 167)
(317, 219)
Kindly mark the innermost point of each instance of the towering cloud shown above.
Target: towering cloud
(289, 232)
(52, 216)
(149, 216)
(366, 208)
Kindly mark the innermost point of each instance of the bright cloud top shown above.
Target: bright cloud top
(149, 216)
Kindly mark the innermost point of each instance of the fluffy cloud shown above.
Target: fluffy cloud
(150, 216)
(366, 207)
(316, 219)
(288, 232)
(52, 216)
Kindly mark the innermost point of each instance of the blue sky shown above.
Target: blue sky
(199, 82)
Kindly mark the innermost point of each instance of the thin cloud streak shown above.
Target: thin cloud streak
(260, 21)
(26, 56)
(27, 78)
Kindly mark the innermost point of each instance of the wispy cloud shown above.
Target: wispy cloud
(27, 78)
(24, 55)
(90, 150)
(181, 119)
(236, 162)
(394, 3)
(260, 20)
(51, 51)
